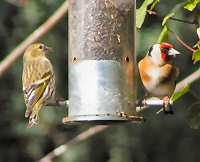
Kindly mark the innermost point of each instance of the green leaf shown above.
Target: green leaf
(179, 94)
(141, 13)
(154, 4)
(164, 35)
(193, 116)
(197, 45)
(192, 4)
(196, 56)
(167, 18)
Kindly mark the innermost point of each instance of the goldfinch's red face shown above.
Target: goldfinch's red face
(162, 53)
(167, 51)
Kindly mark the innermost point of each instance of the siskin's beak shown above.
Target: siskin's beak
(173, 52)
(48, 49)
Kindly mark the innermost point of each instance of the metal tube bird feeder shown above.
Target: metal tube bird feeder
(101, 61)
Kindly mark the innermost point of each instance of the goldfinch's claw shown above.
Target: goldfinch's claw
(167, 108)
(166, 100)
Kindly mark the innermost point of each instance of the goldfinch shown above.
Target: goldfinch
(158, 74)
(38, 80)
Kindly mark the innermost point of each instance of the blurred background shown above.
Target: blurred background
(162, 138)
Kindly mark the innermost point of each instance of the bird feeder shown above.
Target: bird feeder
(101, 61)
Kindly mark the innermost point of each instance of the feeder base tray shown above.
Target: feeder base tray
(102, 119)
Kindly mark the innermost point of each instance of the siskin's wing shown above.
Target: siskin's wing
(36, 77)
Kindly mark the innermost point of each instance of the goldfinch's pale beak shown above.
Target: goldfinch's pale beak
(173, 52)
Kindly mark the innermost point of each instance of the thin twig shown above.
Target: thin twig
(36, 35)
(183, 21)
(182, 42)
(171, 18)
(81, 137)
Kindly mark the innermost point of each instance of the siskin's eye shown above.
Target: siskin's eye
(41, 47)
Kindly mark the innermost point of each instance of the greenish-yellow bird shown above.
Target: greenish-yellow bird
(38, 80)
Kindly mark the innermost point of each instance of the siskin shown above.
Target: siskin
(38, 81)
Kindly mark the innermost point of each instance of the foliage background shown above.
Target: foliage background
(161, 139)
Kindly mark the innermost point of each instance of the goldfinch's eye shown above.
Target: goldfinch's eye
(165, 50)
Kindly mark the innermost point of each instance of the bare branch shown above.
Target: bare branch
(81, 137)
(36, 35)
(188, 80)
